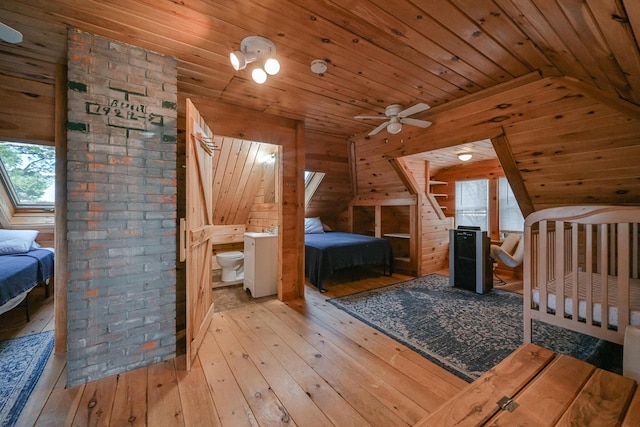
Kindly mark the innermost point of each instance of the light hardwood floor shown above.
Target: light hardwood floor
(301, 363)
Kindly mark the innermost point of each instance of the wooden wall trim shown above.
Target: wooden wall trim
(61, 248)
(405, 175)
(352, 167)
(298, 291)
(221, 234)
(383, 202)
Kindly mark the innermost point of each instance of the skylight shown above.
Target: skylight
(28, 174)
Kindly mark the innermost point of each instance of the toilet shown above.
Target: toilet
(232, 264)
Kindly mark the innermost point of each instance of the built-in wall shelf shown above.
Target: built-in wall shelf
(398, 235)
(394, 220)
(433, 183)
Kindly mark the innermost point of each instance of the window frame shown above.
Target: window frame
(9, 190)
(503, 232)
(312, 181)
(487, 224)
(493, 208)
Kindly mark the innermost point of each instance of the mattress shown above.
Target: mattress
(334, 250)
(19, 273)
(612, 315)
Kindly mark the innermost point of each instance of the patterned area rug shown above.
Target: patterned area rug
(21, 363)
(464, 332)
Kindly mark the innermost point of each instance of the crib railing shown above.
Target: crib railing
(581, 254)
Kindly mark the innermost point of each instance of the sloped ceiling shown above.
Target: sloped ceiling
(447, 53)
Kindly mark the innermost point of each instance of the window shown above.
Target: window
(308, 175)
(472, 203)
(511, 218)
(28, 174)
(311, 182)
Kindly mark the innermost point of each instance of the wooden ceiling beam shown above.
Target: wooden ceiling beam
(511, 172)
(617, 103)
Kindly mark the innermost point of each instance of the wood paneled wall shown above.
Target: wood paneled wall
(329, 154)
(263, 214)
(241, 170)
(27, 110)
(377, 179)
(433, 237)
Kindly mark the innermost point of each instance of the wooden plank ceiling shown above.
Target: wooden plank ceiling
(379, 52)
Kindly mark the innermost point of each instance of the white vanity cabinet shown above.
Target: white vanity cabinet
(261, 264)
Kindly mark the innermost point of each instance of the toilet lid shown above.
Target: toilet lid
(231, 254)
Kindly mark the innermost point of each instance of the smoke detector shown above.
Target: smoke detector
(318, 66)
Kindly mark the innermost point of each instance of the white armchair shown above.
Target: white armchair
(511, 252)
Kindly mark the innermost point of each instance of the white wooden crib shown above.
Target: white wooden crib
(594, 250)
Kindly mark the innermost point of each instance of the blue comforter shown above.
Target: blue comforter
(21, 272)
(327, 252)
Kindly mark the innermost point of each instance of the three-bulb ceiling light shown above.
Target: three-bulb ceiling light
(252, 49)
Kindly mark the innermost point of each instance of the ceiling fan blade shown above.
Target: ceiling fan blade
(10, 35)
(379, 128)
(413, 110)
(371, 117)
(416, 122)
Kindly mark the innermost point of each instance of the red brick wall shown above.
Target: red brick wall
(121, 207)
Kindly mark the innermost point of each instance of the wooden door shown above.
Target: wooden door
(198, 226)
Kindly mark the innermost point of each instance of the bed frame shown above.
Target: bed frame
(595, 250)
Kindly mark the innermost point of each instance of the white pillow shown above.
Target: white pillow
(313, 226)
(16, 241)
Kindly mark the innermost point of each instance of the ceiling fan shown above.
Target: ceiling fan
(9, 35)
(397, 117)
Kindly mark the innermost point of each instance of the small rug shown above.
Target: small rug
(21, 363)
(461, 331)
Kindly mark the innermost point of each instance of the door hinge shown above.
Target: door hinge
(183, 240)
(507, 404)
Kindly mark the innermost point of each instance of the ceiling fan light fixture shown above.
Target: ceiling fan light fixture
(394, 127)
(396, 117)
(465, 157)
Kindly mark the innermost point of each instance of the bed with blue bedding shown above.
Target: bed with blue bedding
(330, 251)
(19, 273)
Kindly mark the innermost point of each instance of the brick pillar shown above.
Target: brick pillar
(121, 207)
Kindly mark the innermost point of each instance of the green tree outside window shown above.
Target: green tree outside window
(28, 172)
